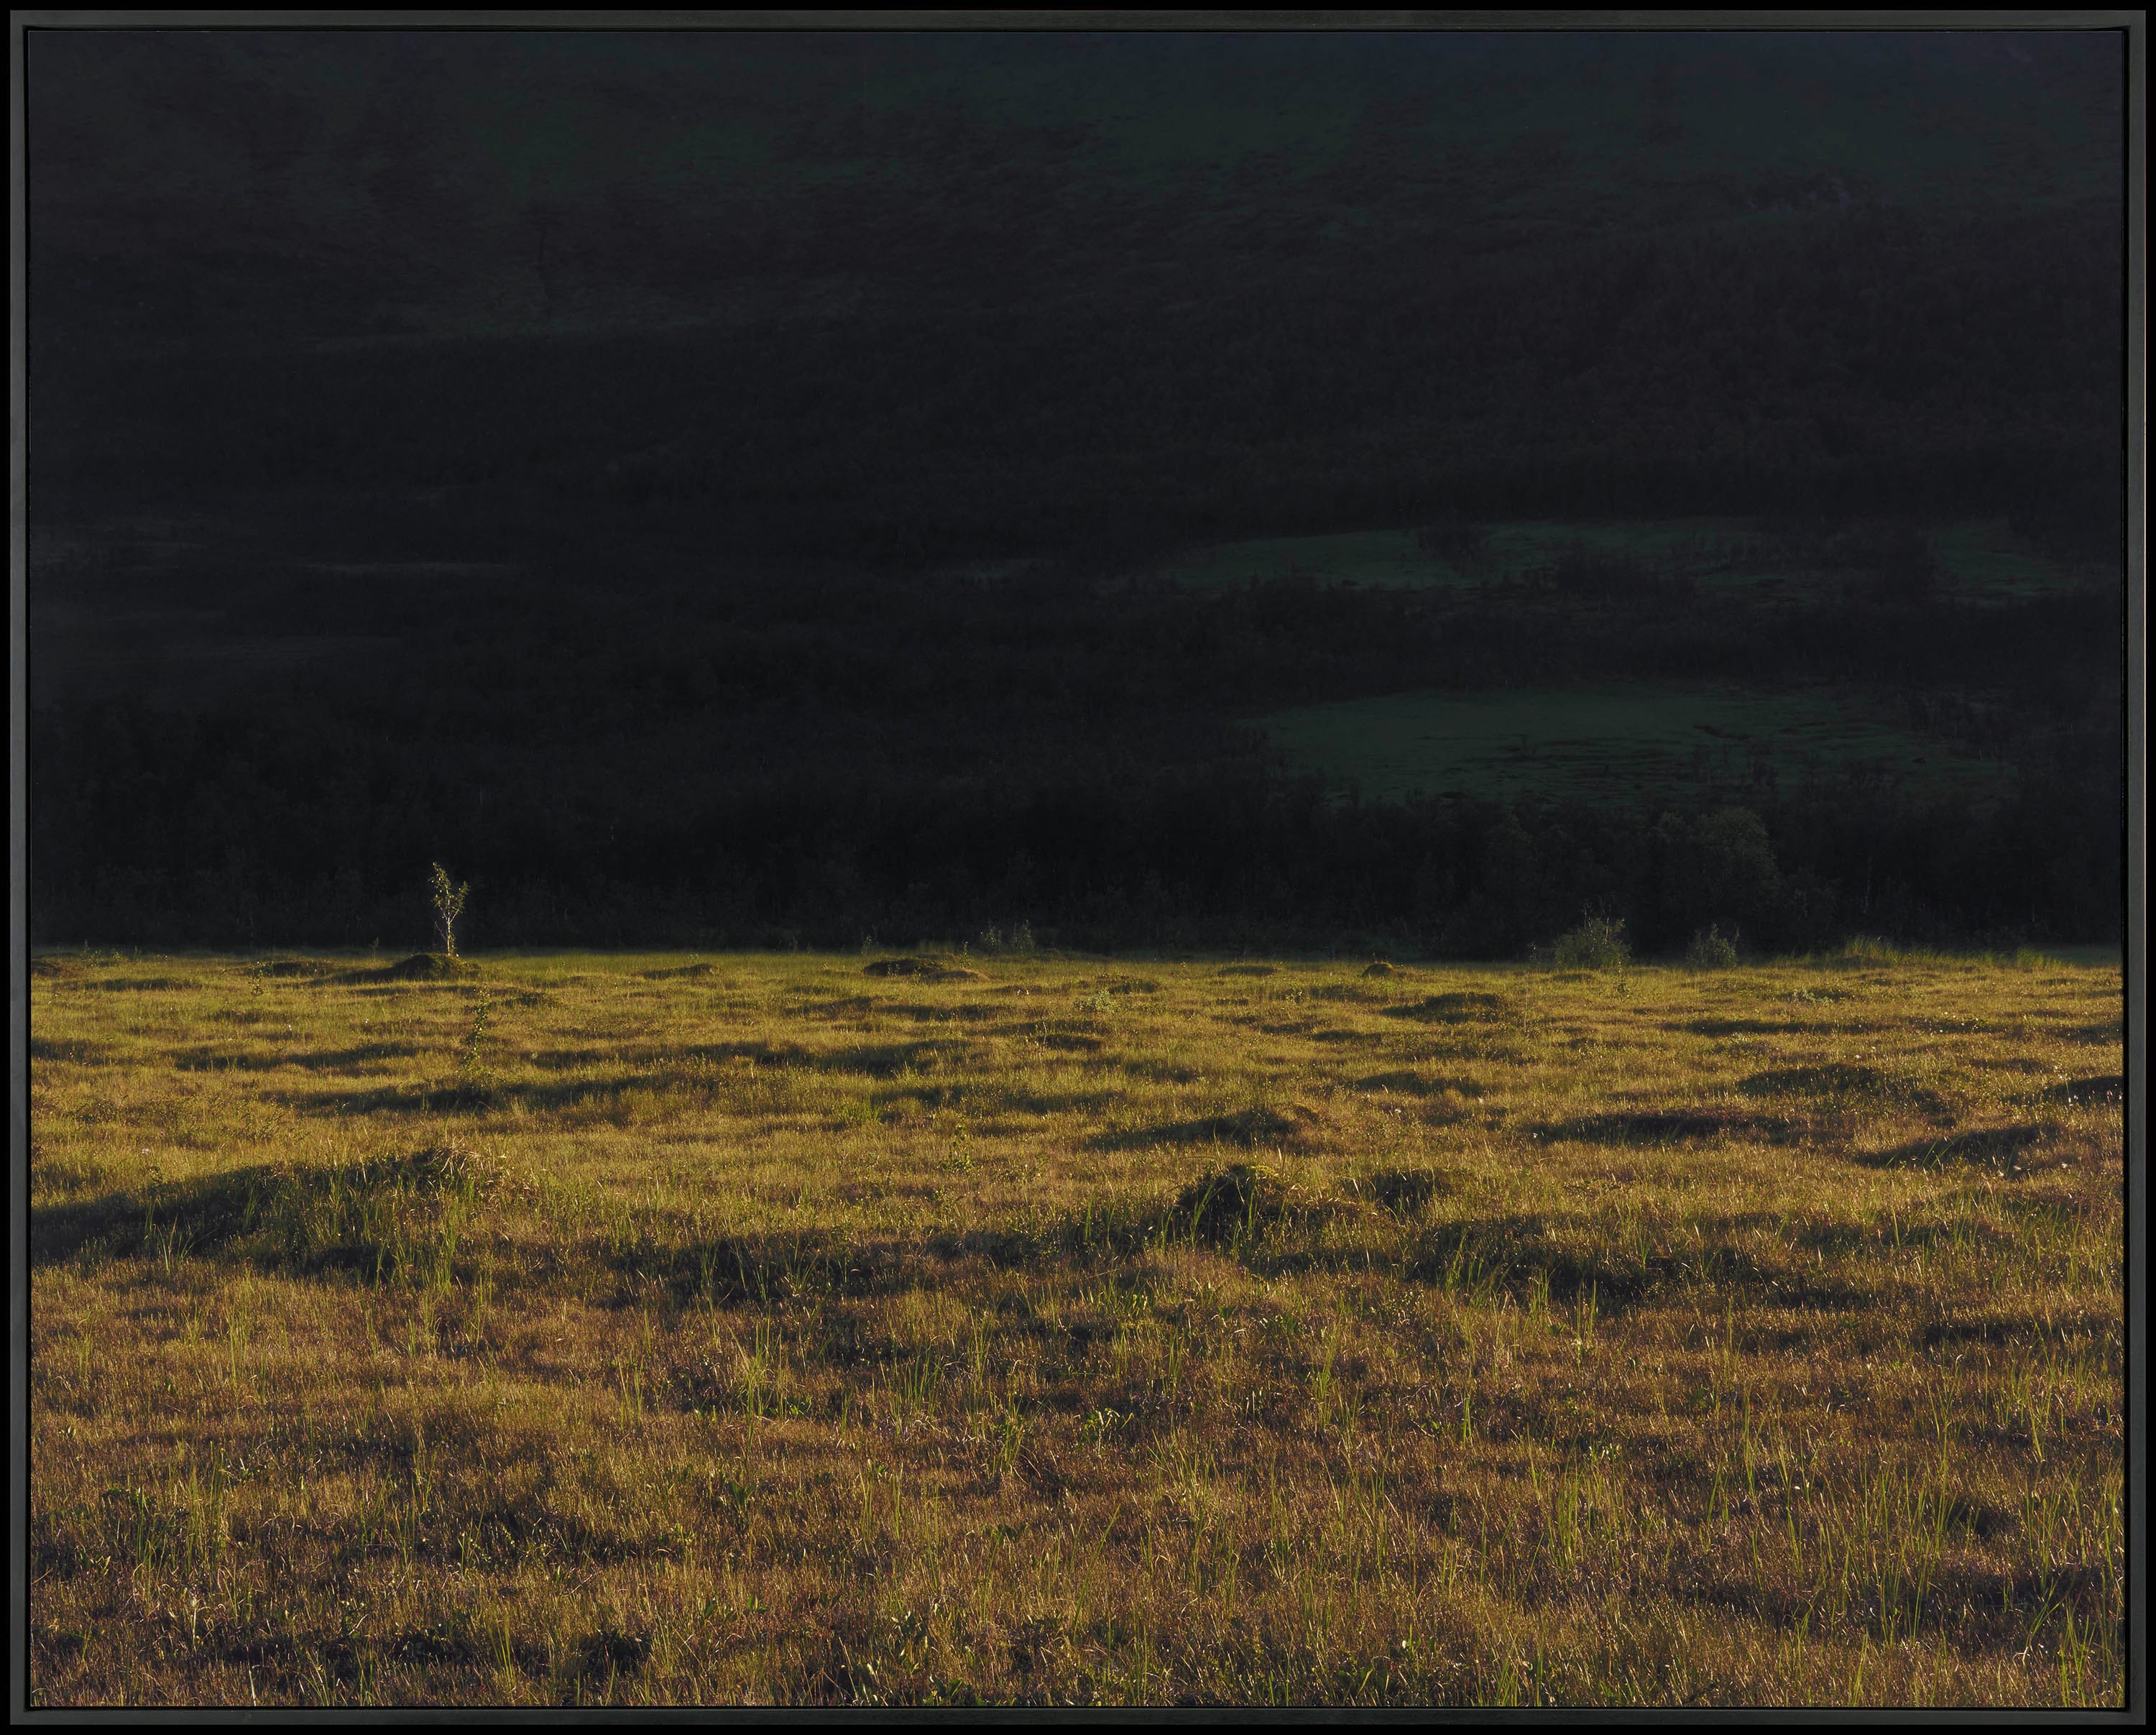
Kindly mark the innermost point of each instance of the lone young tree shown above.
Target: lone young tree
(449, 899)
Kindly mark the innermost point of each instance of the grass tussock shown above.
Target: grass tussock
(616, 1331)
(1240, 1201)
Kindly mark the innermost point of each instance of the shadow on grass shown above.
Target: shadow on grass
(473, 1095)
(1236, 1208)
(1276, 1230)
(1664, 1126)
(212, 1060)
(1838, 1081)
(1460, 1008)
(2003, 1150)
(399, 1218)
(2109, 1089)
(73, 1051)
(388, 1217)
(1417, 1084)
(880, 1059)
(885, 1060)
(773, 1267)
(294, 1660)
(1407, 1192)
(1569, 1262)
(1482, 1261)
(1246, 1127)
(424, 1100)
(696, 1069)
(1070, 1042)
(1006, 1107)
(926, 969)
(1874, 1237)
(178, 1220)
(1273, 1228)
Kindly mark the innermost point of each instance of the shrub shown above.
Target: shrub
(387, 1218)
(995, 940)
(1711, 949)
(1598, 943)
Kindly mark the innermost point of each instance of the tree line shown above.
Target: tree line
(829, 755)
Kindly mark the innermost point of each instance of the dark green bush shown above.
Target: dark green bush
(1711, 949)
(1598, 943)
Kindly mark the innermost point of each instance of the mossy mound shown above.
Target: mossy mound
(306, 968)
(2082, 1091)
(1407, 1192)
(1243, 1199)
(924, 969)
(429, 966)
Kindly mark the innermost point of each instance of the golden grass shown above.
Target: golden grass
(632, 1330)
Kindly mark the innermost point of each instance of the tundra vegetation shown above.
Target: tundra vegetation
(776, 1329)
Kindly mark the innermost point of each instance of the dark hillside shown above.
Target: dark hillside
(717, 485)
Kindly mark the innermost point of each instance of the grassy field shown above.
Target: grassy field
(604, 1329)
(1616, 742)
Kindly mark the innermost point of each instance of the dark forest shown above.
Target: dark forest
(724, 490)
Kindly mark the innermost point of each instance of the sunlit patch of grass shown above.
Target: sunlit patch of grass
(760, 1329)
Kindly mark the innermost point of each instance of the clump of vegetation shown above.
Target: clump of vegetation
(1711, 949)
(477, 1077)
(1865, 950)
(1598, 943)
(1237, 1202)
(390, 1218)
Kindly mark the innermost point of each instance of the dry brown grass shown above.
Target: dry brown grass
(759, 1329)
